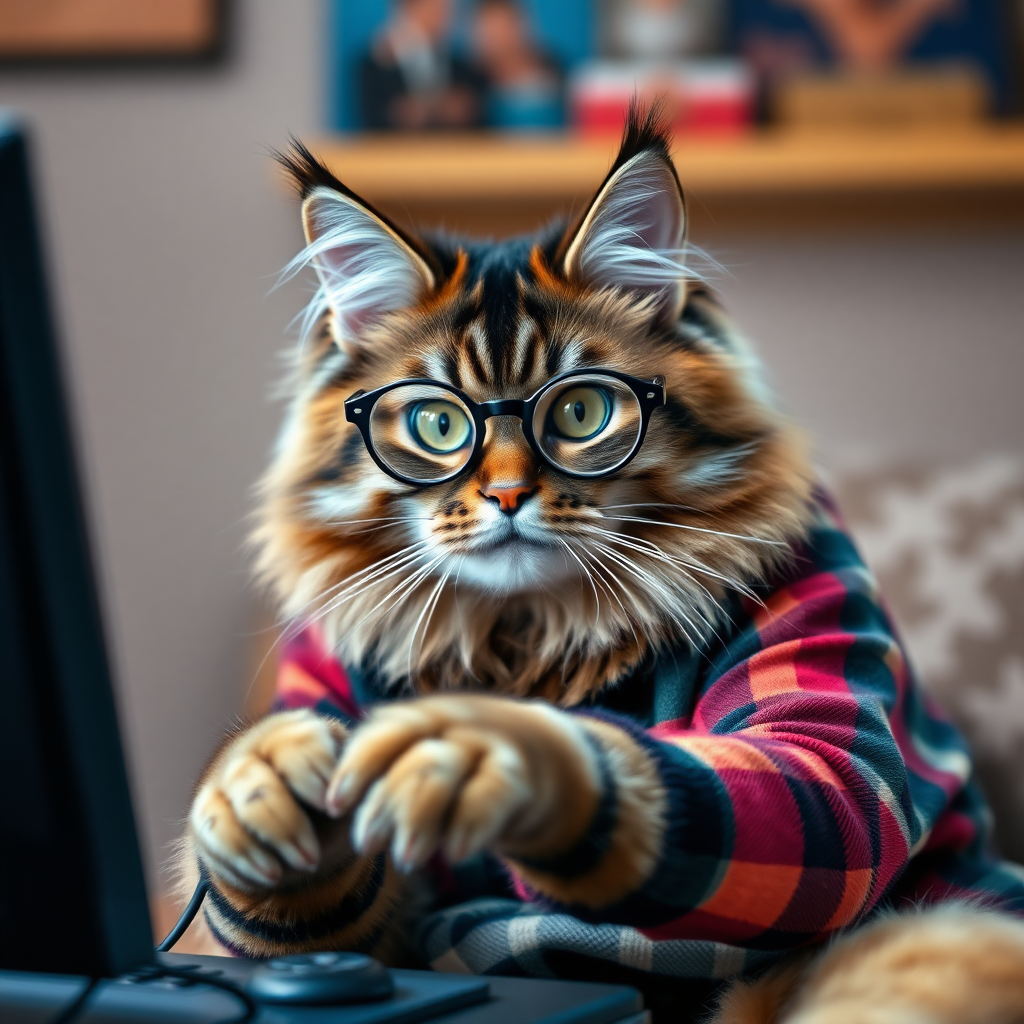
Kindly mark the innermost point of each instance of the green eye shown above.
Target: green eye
(439, 426)
(581, 413)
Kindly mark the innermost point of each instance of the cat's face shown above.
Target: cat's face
(504, 550)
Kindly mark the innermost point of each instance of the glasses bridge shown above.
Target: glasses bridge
(503, 407)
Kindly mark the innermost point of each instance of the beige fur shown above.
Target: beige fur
(947, 965)
(269, 859)
(636, 841)
(246, 810)
(466, 773)
(453, 773)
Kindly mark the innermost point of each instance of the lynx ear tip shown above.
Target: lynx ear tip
(304, 169)
(647, 127)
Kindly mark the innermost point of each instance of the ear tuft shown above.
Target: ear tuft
(305, 171)
(367, 266)
(634, 233)
(648, 129)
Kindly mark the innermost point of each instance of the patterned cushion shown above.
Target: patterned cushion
(947, 544)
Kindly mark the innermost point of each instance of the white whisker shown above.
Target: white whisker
(589, 577)
(404, 589)
(646, 578)
(606, 581)
(435, 595)
(688, 563)
(675, 563)
(646, 547)
(696, 529)
(648, 504)
(380, 519)
(294, 625)
(354, 586)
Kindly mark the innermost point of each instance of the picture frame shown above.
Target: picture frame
(567, 30)
(781, 38)
(92, 32)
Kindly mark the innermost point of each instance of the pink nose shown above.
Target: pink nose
(509, 499)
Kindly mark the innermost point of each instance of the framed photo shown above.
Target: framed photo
(76, 31)
(428, 65)
(787, 38)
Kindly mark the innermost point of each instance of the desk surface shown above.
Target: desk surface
(37, 999)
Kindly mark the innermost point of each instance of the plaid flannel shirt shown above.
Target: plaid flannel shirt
(810, 782)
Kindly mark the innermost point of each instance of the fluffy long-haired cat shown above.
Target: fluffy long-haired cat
(583, 676)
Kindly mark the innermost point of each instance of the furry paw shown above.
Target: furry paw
(247, 820)
(464, 773)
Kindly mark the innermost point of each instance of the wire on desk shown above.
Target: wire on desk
(198, 977)
(187, 917)
(155, 972)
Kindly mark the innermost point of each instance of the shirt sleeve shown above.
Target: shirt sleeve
(309, 676)
(809, 772)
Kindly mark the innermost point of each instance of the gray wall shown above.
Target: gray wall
(905, 343)
(165, 229)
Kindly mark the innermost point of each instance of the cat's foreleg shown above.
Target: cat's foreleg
(570, 802)
(283, 875)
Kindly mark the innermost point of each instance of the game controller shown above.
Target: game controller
(321, 978)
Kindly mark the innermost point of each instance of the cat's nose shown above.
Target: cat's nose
(508, 499)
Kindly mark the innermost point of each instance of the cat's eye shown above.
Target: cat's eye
(589, 424)
(421, 432)
(439, 426)
(581, 413)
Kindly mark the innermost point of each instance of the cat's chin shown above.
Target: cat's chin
(514, 567)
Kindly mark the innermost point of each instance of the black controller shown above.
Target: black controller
(319, 978)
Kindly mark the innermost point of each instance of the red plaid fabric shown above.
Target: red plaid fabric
(810, 778)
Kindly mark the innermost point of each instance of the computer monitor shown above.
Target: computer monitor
(72, 892)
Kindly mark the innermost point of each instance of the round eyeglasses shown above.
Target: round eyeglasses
(585, 423)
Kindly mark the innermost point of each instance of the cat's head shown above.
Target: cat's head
(504, 524)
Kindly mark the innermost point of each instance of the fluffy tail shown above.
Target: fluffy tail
(945, 965)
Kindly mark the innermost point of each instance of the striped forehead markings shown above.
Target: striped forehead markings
(437, 364)
(474, 343)
(502, 311)
(525, 348)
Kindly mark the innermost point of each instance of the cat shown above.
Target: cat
(583, 675)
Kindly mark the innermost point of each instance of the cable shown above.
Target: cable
(187, 917)
(157, 971)
(77, 1005)
(196, 976)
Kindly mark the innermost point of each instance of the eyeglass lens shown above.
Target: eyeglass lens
(422, 432)
(588, 424)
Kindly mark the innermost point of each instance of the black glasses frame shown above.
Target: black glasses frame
(649, 393)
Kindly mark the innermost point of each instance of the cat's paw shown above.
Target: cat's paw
(247, 820)
(465, 773)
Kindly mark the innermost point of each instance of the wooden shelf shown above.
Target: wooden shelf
(476, 167)
(476, 181)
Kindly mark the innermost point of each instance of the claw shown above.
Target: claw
(341, 796)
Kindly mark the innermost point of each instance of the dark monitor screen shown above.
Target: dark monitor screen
(72, 892)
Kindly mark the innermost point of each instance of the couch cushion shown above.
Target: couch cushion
(947, 544)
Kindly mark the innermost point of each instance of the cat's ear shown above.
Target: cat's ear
(634, 232)
(367, 266)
